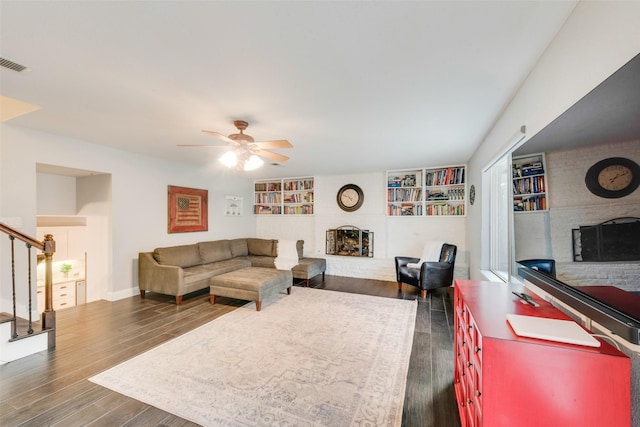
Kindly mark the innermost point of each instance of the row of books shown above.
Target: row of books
(530, 185)
(535, 203)
(267, 210)
(440, 209)
(528, 169)
(408, 180)
(267, 186)
(298, 197)
(451, 194)
(298, 210)
(406, 209)
(268, 198)
(298, 185)
(404, 195)
(447, 176)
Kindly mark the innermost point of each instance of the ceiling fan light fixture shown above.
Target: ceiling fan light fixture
(229, 159)
(253, 162)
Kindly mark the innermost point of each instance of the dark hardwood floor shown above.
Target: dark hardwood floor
(51, 388)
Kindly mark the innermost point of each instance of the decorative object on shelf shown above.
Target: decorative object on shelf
(187, 209)
(350, 197)
(472, 194)
(233, 206)
(613, 177)
(245, 152)
(348, 240)
(65, 268)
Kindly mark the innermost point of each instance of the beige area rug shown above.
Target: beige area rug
(312, 358)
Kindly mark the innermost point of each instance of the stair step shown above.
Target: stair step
(22, 326)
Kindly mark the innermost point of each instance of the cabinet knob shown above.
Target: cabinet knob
(469, 401)
(470, 326)
(470, 364)
(478, 393)
(477, 348)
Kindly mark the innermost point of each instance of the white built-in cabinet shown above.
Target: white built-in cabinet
(288, 196)
(530, 187)
(436, 191)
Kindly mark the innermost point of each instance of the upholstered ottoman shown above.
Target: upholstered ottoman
(251, 284)
(308, 268)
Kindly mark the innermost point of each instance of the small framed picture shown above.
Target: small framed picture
(233, 206)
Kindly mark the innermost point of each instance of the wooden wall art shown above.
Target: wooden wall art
(187, 209)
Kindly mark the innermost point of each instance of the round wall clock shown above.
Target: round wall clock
(613, 177)
(350, 197)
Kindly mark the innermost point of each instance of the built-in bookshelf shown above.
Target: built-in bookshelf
(426, 192)
(288, 196)
(529, 183)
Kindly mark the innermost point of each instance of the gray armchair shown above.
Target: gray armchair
(430, 275)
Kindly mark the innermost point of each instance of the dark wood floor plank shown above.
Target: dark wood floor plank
(52, 388)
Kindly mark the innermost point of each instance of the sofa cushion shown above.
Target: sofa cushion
(262, 261)
(262, 247)
(239, 247)
(213, 251)
(180, 256)
(206, 271)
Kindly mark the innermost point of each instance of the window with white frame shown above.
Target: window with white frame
(500, 217)
(497, 177)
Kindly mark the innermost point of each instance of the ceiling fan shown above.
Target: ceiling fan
(244, 149)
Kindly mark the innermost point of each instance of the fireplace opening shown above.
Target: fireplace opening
(613, 240)
(349, 241)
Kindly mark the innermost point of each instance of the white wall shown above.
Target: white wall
(138, 201)
(597, 39)
(393, 236)
(56, 194)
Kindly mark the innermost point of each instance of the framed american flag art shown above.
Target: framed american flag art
(187, 209)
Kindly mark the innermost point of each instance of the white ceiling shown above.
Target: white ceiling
(356, 86)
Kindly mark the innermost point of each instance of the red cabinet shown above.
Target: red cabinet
(501, 379)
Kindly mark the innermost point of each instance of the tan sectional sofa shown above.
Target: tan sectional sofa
(179, 270)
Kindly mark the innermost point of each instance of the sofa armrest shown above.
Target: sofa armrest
(435, 275)
(165, 279)
(401, 268)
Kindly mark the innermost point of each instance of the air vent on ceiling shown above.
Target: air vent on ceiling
(4, 62)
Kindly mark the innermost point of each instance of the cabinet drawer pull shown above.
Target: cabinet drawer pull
(63, 287)
(478, 393)
(63, 295)
(477, 349)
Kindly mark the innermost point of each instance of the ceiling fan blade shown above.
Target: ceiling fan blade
(203, 145)
(218, 135)
(277, 143)
(271, 155)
